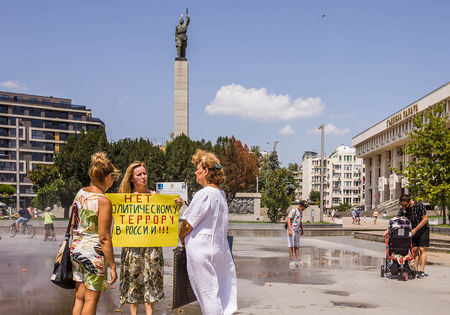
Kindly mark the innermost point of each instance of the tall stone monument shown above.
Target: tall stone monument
(181, 80)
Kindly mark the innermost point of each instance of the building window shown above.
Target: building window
(63, 136)
(18, 110)
(4, 97)
(36, 145)
(45, 101)
(49, 147)
(4, 132)
(35, 156)
(3, 109)
(50, 114)
(37, 134)
(49, 135)
(37, 123)
(33, 100)
(63, 115)
(34, 112)
(77, 127)
(77, 116)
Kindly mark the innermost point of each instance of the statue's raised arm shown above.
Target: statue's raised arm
(181, 37)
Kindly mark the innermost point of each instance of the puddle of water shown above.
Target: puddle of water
(351, 304)
(276, 269)
(25, 288)
(340, 293)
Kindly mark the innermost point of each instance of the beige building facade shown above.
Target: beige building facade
(44, 123)
(381, 148)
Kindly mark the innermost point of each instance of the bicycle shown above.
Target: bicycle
(25, 228)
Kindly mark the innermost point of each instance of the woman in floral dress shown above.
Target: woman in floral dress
(91, 250)
(141, 268)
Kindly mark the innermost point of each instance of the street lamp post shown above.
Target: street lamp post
(17, 164)
(322, 128)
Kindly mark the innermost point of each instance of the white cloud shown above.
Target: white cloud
(331, 129)
(287, 130)
(259, 104)
(14, 85)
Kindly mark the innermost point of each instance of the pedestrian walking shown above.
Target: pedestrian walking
(294, 230)
(375, 216)
(48, 224)
(203, 231)
(141, 268)
(91, 251)
(416, 213)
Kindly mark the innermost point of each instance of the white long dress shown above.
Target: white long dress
(209, 263)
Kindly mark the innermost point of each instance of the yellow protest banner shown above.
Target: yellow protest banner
(144, 220)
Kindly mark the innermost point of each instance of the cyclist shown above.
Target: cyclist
(24, 216)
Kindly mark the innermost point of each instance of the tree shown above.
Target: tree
(314, 196)
(6, 191)
(293, 167)
(74, 159)
(240, 164)
(428, 174)
(126, 151)
(275, 195)
(277, 187)
(178, 156)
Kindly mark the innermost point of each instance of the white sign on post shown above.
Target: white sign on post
(173, 188)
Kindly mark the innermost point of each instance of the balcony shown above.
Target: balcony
(45, 103)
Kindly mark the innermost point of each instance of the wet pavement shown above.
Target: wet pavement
(339, 275)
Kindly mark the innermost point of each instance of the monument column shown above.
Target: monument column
(181, 98)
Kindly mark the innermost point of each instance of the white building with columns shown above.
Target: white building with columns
(381, 148)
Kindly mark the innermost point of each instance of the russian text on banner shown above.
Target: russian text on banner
(144, 220)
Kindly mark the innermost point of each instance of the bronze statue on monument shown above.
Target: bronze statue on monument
(181, 37)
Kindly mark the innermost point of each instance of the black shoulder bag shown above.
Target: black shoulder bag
(62, 270)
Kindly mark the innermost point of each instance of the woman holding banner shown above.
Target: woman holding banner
(91, 249)
(204, 232)
(141, 268)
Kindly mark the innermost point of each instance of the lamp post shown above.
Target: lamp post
(17, 164)
(322, 134)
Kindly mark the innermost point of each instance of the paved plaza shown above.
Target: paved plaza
(340, 275)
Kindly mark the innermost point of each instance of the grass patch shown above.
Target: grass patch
(443, 225)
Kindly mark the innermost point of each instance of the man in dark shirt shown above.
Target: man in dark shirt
(24, 216)
(416, 213)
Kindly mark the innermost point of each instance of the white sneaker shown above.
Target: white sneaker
(292, 265)
(299, 263)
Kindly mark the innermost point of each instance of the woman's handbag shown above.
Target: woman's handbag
(62, 270)
(182, 290)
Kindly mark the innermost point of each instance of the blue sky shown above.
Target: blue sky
(262, 71)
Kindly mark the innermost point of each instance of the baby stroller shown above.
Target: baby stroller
(398, 250)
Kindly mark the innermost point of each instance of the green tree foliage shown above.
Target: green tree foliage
(126, 151)
(342, 207)
(178, 157)
(49, 186)
(73, 162)
(7, 190)
(274, 195)
(314, 196)
(240, 164)
(293, 167)
(277, 187)
(428, 175)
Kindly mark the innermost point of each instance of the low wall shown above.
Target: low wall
(440, 230)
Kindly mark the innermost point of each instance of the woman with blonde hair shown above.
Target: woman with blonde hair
(91, 251)
(141, 268)
(204, 231)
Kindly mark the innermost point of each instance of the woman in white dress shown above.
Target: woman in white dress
(204, 233)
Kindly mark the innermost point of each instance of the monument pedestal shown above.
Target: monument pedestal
(181, 98)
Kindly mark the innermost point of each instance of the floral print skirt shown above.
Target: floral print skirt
(141, 275)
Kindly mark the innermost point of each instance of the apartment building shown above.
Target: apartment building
(343, 176)
(43, 124)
